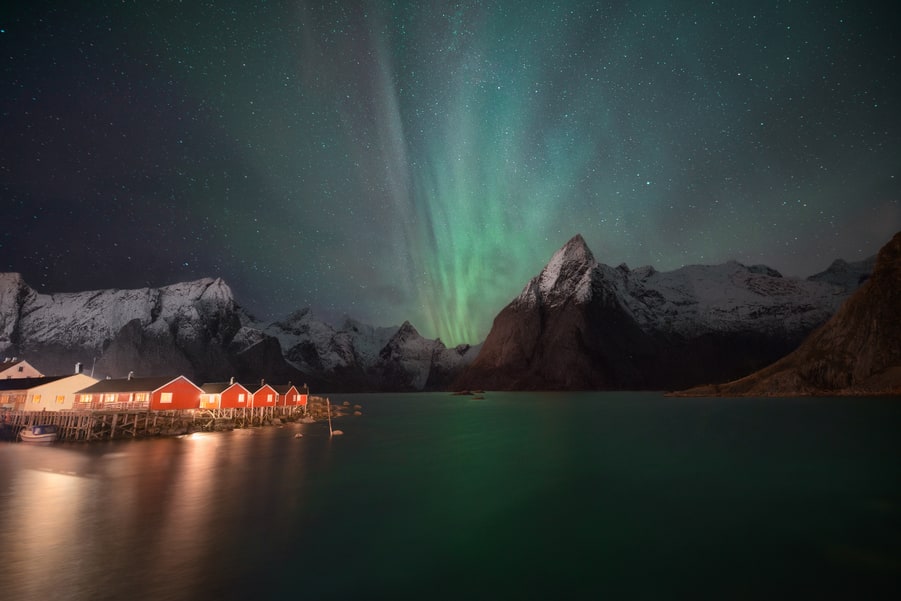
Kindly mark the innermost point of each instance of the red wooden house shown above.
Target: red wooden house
(303, 395)
(288, 395)
(157, 394)
(180, 393)
(236, 396)
(265, 396)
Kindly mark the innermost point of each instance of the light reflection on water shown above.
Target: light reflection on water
(140, 519)
(604, 495)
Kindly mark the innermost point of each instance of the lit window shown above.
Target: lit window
(36, 399)
(241, 397)
(60, 399)
(165, 397)
(269, 399)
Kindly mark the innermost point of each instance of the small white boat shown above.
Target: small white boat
(39, 433)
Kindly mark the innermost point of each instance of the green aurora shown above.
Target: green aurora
(422, 161)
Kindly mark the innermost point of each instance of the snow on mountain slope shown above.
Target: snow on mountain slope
(580, 324)
(413, 362)
(695, 299)
(313, 345)
(91, 319)
(730, 297)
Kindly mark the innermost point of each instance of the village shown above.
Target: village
(84, 408)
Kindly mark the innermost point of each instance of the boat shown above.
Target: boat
(39, 433)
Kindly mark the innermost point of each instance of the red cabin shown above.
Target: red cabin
(265, 396)
(288, 395)
(235, 396)
(180, 393)
(140, 393)
(302, 395)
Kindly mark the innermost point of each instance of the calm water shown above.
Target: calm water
(612, 495)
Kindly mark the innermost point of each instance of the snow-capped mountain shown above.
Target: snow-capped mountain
(176, 327)
(583, 324)
(197, 329)
(360, 356)
(579, 324)
(857, 351)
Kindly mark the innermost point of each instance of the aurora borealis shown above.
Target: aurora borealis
(422, 160)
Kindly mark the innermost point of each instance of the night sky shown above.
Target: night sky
(422, 160)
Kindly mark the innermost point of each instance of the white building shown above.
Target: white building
(17, 368)
(58, 395)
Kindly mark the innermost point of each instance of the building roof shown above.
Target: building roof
(283, 388)
(220, 387)
(128, 385)
(215, 387)
(27, 383)
(8, 364)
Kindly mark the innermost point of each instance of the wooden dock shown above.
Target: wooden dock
(89, 426)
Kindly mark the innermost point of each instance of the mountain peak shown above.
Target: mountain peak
(568, 271)
(576, 249)
(407, 330)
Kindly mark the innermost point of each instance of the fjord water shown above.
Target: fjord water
(616, 495)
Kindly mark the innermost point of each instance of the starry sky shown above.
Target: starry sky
(422, 160)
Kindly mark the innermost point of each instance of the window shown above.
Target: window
(21, 368)
(109, 397)
(165, 397)
(142, 397)
(241, 398)
(269, 399)
(60, 399)
(36, 399)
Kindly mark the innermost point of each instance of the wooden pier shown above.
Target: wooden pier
(89, 426)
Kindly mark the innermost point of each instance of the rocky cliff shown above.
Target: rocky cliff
(580, 324)
(857, 351)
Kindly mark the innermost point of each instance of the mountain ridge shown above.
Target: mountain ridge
(581, 324)
(856, 352)
(578, 324)
(197, 329)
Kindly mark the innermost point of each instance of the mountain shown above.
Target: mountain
(857, 351)
(580, 324)
(356, 356)
(197, 329)
(183, 328)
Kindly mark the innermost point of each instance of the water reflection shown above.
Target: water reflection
(525, 496)
(160, 519)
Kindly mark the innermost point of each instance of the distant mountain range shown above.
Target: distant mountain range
(858, 351)
(579, 324)
(198, 330)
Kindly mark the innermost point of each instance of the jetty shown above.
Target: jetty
(98, 425)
